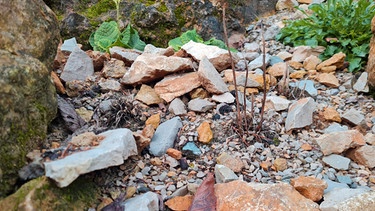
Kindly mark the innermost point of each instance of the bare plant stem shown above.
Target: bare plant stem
(239, 117)
(259, 128)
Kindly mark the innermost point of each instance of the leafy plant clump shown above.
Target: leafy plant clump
(185, 37)
(109, 35)
(339, 25)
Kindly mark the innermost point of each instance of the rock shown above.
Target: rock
(278, 69)
(177, 107)
(364, 155)
(98, 59)
(271, 32)
(200, 105)
(69, 45)
(251, 47)
(337, 161)
(302, 52)
(328, 69)
(165, 136)
(334, 185)
(153, 120)
(116, 147)
(241, 80)
(337, 197)
(344, 179)
(300, 114)
(338, 142)
(328, 79)
(174, 153)
(280, 164)
(84, 113)
(145, 202)
(370, 69)
(58, 85)
(331, 114)
(239, 195)
(199, 93)
(148, 95)
(353, 116)
(141, 140)
(36, 195)
(358, 202)
(370, 138)
(180, 202)
(210, 78)
(310, 187)
(114, 68)
(224, 174)
(218, 57)
(306, 85)
(336, 60)
(205, 134)
(258, 62)
(286, 5)
(150, 49)
(128, 56)
(27, 103)
(78, 67)
(148, 68)
(190, 149)
(174, 86)
(227, 97)
(235, 164)
(284, 55)
(298, 74)
(311, 62)
(361, 84)
(335, 127)
(295, 65)
(277, 103)
(107, 85)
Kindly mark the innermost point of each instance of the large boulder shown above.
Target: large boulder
(28, 41)
(158, 21)
(371, 58)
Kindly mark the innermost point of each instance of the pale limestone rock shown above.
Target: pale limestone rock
(210, 78)
(147, 95)
(338, 142)
(364, 155)
(114, 68)
(128, 56)
(300, 114)
(78, 67)
(278, 103)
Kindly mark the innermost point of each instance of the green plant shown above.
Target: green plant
(339, 25)
(109, 35)
(185, 37)
(117, 2)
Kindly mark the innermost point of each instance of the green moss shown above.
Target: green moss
(100, 8)
(162, 7)
(179, 11)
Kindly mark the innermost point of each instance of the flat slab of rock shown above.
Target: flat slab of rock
(310, 187)
(278, 103)
(116, 147)
(361, 84)
(227, 97)
(306, 85)
(147, 68)
(353, 116)
(165, 136)
(210, 78)
(174, 86)
(337, 161)
(145, 202)
(364, 155)
(224, 174)
(128, 56)
(148, 95)
(217, 56)
(239, 195)
(338, 197)
(338, 142)
(78, 67)
(300, 114)
(177, 107)
(200, 105)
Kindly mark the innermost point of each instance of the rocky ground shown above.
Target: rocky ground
(318, 122)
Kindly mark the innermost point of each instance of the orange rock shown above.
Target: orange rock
(298, 74)
(174, 153)
(180, 202)
(205, 134)
(265, 165)
(328, 79)
(147, 95)
(148, 131)
(239, 195)
(278, 69)
(141, 141)
(233, 163)
(311, 62)
(280, 164)
(153, 120)
(59, 86)
(306, 147)
(328, 69)
(336, 60)
(156, 161)
(331, 114)
(310, 187)
(199, 93)
(295, 65)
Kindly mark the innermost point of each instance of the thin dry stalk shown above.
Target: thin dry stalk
(239, 117)
(259, 128)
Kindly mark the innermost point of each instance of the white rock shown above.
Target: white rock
(300, 114)
(117, 146)
(224, 174)
(210, 78)
(177, 107)
(334, 198)
(78, 67)
(146, 202)
(361, 84)
(227, 97)
(278, 103)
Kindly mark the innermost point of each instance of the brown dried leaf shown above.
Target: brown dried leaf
(205, 199)
(72, 120)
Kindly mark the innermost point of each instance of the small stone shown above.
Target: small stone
(180, 202)
(227, 97)
(200, 105)
(147, 95)
(205, 134)
(295, 65)
(114, 69)
(311, 62)
(233, 163)
(278, 103)
(107, 85)
(284, 55)
(78, 67)
(146, 201)
(309, 187)
(361, 83)
(338, 142)
(298, 74)
(199, 93)
(224, 174)
(328, 79)
(353, 116)
(300, 114)
(370, 138)
(210, 78)
(337, 161)
(165, 136)
(306, 85)
(177, 107)
(331, 114)
(306, 147)
(174, 153)
(280, 164)
(278, 69)
(156, 161)
(190, 147)
(153, 120)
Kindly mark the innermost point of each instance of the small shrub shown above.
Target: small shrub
(339, 25)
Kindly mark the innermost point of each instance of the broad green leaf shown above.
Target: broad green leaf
(176, 43)
(105, 35)
(130, 38)
(354, 64)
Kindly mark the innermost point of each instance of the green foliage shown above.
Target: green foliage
(339, 25)
(109, 35)
(178, 42)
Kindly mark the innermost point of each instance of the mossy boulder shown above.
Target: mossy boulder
(29, 36)
(158, 21)
(41, 194)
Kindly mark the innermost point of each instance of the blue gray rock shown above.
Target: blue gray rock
(335, 127)
(165, 136)
(69, 45)
(258, 62)
(361, 84)
(300, 114)
(78, 67)
(275, 60)
(344, 179)
(306, 85)
(190, 146)
(334, 185)
(336, 198)
(224, 174)
(200, 105)
(177, 107)
(146, 202)
(337, 161)
(353, 116)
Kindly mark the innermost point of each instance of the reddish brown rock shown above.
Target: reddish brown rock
(56, 80)
(147, 68)
(328, 79)
(98, 59)
(199, 93)
(175, 86)
(205, 134)
(371, 57)
(298, 74)
(141, 141)
(174, 153)
(295, 65)
(338, 142)
(310, 187)
(239, 195)
(364, 155)
(233, 163)
(336, 60)
(180, 202)
(331, 114)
